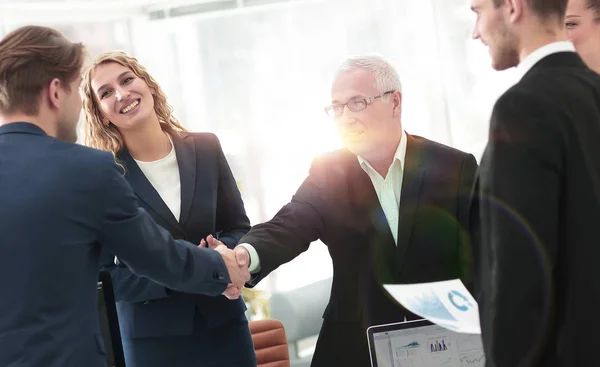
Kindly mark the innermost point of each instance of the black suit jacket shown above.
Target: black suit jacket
(60, 205)
(338, 204)
(210, 204)
(539, 206)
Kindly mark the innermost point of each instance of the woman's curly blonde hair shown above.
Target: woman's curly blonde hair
(100, 136)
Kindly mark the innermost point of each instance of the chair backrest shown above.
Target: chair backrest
(270, 343)
(109, 321)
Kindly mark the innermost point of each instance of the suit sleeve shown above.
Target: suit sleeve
(290, 232)
(520, 185)
(129, 287)
(465, 199)
(232, 221)
(130, 233)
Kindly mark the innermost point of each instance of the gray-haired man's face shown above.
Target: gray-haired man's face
(364, 131)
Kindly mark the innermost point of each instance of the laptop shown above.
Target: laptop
(421, 343)
(109, 322)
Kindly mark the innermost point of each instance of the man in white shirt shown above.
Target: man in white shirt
(391, 207)
(539, 193)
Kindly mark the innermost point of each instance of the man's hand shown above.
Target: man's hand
(241, 253)
(211, 242)
(237, 262)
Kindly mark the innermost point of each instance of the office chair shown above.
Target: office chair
(270, 343)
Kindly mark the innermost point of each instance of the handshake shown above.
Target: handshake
(237, 262)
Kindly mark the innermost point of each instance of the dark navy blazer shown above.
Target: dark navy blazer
(210, 204)
(60, 204)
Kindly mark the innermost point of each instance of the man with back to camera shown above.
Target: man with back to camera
(538, 193)
(391, 207)
(60, 202)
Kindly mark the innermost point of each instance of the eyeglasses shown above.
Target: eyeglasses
(353, 105)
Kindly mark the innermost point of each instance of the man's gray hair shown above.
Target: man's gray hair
(383, 70)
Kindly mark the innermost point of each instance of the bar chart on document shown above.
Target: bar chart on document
(437, 347)
(439, 350)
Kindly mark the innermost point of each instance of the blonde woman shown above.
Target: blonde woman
(583, 29)
(184, 181)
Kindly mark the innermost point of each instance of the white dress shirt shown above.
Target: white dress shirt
(533, 58)
(163, 174)
(388, 191)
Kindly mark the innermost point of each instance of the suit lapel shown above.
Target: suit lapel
(186, 160)
(412, 180)
(145, 191)
(365, 198)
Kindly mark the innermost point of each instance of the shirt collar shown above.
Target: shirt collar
(537, 55)
(398, 156)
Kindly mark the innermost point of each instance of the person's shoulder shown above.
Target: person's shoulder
(439, 149)
(204, 142)
(543, 86)
(330, 167)
(334, 158)
(550, 84)
(83, 162)
(515, 93)
(200, 137)
(80, 155)
(77, 171)
(521, 99)
(440, 158)
(525, 106)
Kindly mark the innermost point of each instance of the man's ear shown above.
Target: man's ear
(397, 101)
(53, 93)
(515, 10)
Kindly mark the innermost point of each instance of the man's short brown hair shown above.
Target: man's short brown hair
(544, 9)
(30, 57)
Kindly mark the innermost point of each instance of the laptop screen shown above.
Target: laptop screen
(423, 344)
